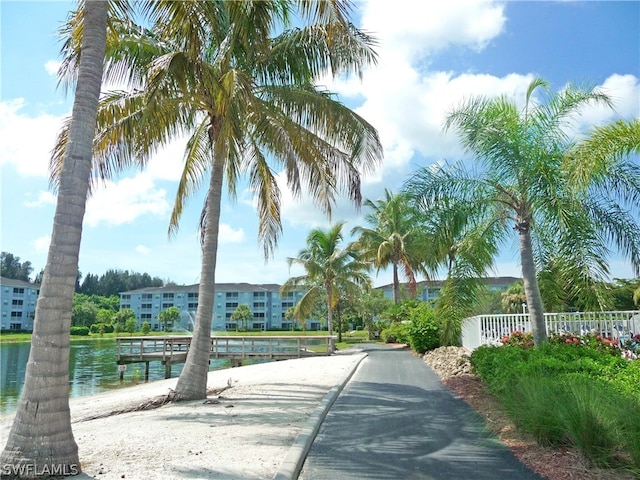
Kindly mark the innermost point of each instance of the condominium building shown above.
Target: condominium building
(269, 308)
(429, 290)
(18, 304)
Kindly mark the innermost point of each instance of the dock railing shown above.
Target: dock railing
(173, 349)
(490, 329)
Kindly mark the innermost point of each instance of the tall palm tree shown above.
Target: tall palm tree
(524, 184)
(248, 103)
(41, 439)
(465, 249)
(332, 272)
(395, 238)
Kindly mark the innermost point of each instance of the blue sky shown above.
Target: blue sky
(432, 54)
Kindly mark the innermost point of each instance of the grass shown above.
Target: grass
(348, 339)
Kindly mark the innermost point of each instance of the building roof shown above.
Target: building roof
(440, 283)
(224, 287)
(18, 283)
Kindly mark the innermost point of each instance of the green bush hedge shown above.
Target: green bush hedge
(568, 394)
(81, 331)
(396, 332)
(97, 328)
(424, 329)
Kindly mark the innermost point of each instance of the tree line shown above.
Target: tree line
(110, 283)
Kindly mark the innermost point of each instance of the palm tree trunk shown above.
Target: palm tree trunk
(330, 317)
(41, 439)
(531, 289)
(396, 285)
(192, 384)
(339, 315)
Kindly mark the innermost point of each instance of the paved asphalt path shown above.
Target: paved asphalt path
(395, 420)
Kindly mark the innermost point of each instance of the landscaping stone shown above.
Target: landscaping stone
(448, 361)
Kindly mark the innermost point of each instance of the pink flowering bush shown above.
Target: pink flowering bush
(518, 339)
(589, 340)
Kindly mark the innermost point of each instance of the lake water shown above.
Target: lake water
(92, 369)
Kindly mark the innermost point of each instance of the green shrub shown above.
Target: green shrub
(81, 331)
(101, 328)
(130, 325)
(146, 328)
(424, 329)
(396, 332)
(568, 393)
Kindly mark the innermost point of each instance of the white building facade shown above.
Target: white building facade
(269, 308)
(18, 299)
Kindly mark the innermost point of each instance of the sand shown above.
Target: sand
(244, 433)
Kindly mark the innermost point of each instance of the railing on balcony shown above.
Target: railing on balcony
(489, 329)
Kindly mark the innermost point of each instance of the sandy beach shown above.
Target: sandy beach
(246, 432)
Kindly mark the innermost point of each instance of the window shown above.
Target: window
(258, 304)
(232, 295)
(167, 305)
(146, 306)
(193, 305)
(192, 295)
(147, 296)
(18, 290)
(167, 296)
(16, 302)
(126, 305)
(232, 305)
(258, 315)
(259, 294)
(125, 297)
(15, 326)
(145, 316)
(287, 304)
(258, 326)
(16, 314)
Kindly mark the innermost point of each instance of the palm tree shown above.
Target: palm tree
(524, 183)
(332, 272)
(465, 249)
(249, 105)
(41, 438)
(395, 238)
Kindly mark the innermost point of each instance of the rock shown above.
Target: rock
(448, 361)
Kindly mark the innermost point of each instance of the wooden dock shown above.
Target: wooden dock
(173, 350)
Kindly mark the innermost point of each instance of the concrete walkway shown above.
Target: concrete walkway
(395, 420)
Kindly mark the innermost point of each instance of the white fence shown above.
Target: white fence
(489, 329)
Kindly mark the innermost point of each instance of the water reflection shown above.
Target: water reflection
(92, 369)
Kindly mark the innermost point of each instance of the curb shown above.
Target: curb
(292, 464)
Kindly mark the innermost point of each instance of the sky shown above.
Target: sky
(432, 55)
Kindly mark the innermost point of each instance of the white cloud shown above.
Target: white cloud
(167, 164)
(26, 141)
(426, 27)
(52, 67)
(624, 92)
(41, 245)
(142, 250)
(226, 234)
(125, 200)
(44, 198)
